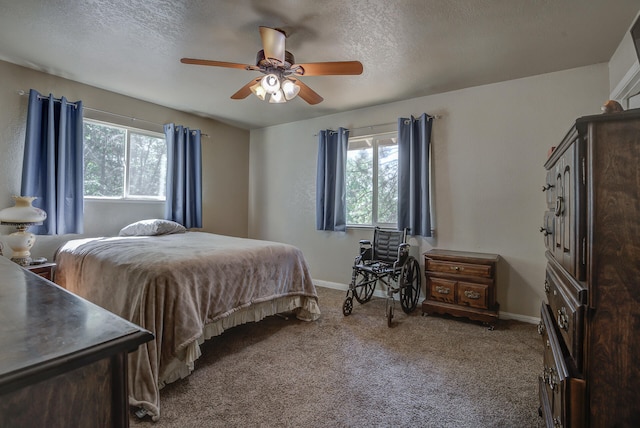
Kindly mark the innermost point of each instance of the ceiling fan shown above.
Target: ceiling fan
(281, 74)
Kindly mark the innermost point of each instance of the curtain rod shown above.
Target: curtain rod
(57, 100)
(383, 124)
(387, 124)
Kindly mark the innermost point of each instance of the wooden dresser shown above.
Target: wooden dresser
(462, 284)
(63, 360)
(590, 321)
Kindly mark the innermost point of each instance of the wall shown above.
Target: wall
(488, 151)
(225, 156)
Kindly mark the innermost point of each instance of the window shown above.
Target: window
(123, 163)
(372, 180)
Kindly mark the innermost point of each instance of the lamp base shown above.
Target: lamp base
(20, 243)
(22, 261)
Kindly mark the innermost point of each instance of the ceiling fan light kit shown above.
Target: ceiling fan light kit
(278, 64)
(280, 89)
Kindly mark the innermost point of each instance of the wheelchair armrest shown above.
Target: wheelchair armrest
(403, 252)
(403, 249)
(365, 249)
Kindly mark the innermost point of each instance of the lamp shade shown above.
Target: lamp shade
(22, 215)
(259, 91)
(22, 212)
(290, 89)
(277, 97)
(270, 83)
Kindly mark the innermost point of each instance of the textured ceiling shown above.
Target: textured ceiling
(408, 48)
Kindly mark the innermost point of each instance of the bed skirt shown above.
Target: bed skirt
(304, 308)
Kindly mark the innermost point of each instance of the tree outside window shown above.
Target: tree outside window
(123, 163)
(372, 181)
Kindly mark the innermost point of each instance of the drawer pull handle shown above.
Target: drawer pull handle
(541, 328)
(544, 231)
(550, 377)
(443, 290)
(547, 287)
(469, 294)
(563, 319)
(546, 374)
(559, 206)
(457, 268)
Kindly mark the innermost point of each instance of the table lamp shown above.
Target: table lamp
(22, 215)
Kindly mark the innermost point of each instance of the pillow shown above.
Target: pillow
(152, 227)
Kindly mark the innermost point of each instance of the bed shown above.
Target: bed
(185, 288)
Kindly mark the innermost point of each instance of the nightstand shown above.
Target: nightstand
(45, 270)
(461, 284)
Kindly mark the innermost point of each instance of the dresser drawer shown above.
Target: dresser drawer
(474, 295)
(564, 391)
(468, 269)
(546, 411)
(567, 309)
(442, 290)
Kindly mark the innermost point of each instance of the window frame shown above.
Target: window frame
(375, 173)
(126, 196)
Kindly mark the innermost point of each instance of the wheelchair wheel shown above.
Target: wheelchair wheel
(410, 285)
(347, 306)
(364, 287)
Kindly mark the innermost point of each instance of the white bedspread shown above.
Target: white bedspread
(184, 288)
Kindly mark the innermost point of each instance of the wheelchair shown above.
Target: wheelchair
(386, 260)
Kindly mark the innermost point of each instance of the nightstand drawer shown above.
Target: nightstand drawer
(442, 290)
(474, 295)
(468, 269)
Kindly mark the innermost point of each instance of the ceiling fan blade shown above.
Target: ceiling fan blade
(307, 94)
(273, 43)
(216, 63)
(331, 68)
(245, 90)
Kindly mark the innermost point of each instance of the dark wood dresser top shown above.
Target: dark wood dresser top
(46, 330)
(455, 255)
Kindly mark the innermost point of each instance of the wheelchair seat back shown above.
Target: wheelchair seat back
(386, 243)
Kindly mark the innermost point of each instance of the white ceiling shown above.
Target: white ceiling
(408, 48)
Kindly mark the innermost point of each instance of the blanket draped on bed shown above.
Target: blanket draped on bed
(184, 288)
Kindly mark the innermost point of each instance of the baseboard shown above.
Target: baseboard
(344, 287)
(381, 293)
(518, 317)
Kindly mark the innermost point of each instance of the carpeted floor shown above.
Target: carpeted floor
(356, 372)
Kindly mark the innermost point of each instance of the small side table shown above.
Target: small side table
(462, 284)
(45, 270)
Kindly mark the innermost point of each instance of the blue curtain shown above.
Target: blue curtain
(184, 176)
(331, 208)
(52, 168)
(414, 206)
